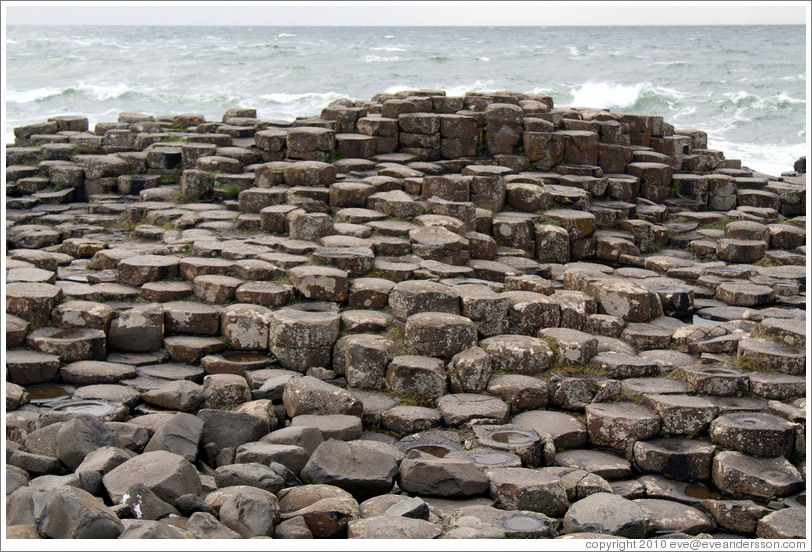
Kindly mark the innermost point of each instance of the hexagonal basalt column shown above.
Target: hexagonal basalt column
(619, 425)
(437, 334)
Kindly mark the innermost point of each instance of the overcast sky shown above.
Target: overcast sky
(406, 13)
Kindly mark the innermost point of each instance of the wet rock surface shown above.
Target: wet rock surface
(488, 318)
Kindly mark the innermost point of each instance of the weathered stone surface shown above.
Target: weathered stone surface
(81, 436)
(167, 475)
(250, 511)
(684, 460)
(359, 470)
(308, 395)
(606, 513)
(470, 370)
(753, 433)
(738, 474)
(439, 334)
(332, 426)
(571, 346)
(619, 425)
(69, 344)
(683, 414)
(421, 377)
(390, 527)
(525, 489)
(789, 523)
(179, 435)
(518, 354)
(30, 367)
(464, 408)
(667, 516)
(429, 475)
(71, 513)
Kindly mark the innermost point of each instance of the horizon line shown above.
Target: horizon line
(409, 26)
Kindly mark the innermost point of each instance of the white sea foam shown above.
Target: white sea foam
(389, 49)
(34, 95)
(772, 159)
(285, 35)
(604, 94)
(378, 59)
(483, 58)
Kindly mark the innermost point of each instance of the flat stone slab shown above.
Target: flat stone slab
(566, 430)
(737, 474)
(608, 466)
(460, 409)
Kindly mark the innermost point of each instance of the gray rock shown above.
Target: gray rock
(515, 524)
(147, 529)
(667, 516)
(463, 408)
(293, 457)
(180, 435)
(181, 395)
(526, 489)
(81, 436)
(71, 513)
(753, 433)
(308, 395)
(789, 523)
(362, 471)
(606, 513)
(167, 475)
(470, 370)
(205, 526)
(336, 426)
(145, 504)
(293, 528)
(388, 527)
(224, 429)
(249, 474)
(329, 516)
(738, 474)
(429, 475)
(251, 512)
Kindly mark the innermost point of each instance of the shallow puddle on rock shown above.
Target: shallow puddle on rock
(522, 523)
(489, 458)
(699, 320)
(67, 334)
(701, 491)
(432, 449)
(49, 392)
(93, 408)
(510, 437)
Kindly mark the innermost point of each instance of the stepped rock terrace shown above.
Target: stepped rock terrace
(418, 316)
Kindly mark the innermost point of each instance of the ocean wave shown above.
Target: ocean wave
(483, 58)
(746, 100)
(389, 49)
(285, 35)
(573, 51)
(771, 159)
(378, 59)
(675, 63)
(92, 91)
(284, 98)
(604, 94)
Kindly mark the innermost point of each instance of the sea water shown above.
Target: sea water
(744, 86)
